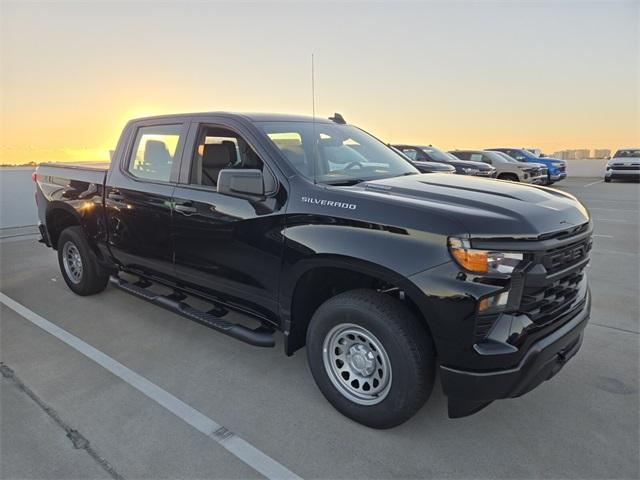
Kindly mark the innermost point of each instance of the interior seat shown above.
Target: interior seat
(215, 157)
(297, 158)
(157, 159)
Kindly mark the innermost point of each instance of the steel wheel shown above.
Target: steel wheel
(357, 364)
(72, 262)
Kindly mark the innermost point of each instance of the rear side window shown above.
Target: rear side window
(412, 153)
(153, 152)
(478, 157)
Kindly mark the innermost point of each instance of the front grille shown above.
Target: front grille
(625, 167)
(543, 171)
(545, 304)
(562, 168)
(564, 257)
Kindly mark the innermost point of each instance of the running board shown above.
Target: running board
(259, 337)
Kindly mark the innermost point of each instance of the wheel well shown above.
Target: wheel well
(508, 175)
(318, 285)
(57, 220)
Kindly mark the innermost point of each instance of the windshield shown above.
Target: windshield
(335, 154)
(630, 153)
(437, 155)
(504, 157)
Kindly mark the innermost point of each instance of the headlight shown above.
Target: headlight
(470, 171)
(482, 261)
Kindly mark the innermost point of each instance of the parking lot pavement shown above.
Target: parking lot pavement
(582, 424)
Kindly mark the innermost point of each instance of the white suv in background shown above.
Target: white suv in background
(624, 164)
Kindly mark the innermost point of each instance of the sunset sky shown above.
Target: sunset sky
(551, 75)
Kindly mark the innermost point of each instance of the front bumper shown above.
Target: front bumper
(470, 391)
(555, 177)
(627, 173)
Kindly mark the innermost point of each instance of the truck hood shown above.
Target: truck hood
(486, 208)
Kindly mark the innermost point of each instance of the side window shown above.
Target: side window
(516, 154)
(153, 152)
(461, 155)
(478, 157)
(217, 149)
(411, 153)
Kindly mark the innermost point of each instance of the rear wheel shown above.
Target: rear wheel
(371, 357)
(78, 264)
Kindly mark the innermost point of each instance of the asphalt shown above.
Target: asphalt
(582, 424)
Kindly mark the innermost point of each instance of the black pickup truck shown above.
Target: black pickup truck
(318, 230)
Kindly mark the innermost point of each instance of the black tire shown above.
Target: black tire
(607, 180)
(91, 278)
(405, 342)
(512, 177)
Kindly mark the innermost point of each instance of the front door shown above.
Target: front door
(229, 247)
(138, 199)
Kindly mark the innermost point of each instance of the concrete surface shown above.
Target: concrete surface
(594, 167)
(582, 424)
(34, 446)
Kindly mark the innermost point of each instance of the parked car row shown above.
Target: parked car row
(515, 164)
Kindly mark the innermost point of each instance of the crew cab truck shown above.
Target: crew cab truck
(315, 229)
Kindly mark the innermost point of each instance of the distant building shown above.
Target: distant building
(577, 154)
(601, 153)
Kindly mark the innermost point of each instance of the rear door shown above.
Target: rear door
(228, 247)
(138, 197)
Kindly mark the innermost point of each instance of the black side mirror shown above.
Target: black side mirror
(241, 182)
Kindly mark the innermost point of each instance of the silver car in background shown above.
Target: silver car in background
(624, 164)
(506, 167)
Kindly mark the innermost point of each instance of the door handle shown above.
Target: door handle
(185, 209)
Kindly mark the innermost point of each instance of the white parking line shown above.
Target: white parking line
(593, 183)
(615, 210)
(227, 439)
(603, 236)
(600, 251)
(614, 220)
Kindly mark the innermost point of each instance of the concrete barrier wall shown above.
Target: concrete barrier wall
(17, 203)
(586, 168)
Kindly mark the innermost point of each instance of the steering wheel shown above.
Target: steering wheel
(353, 164)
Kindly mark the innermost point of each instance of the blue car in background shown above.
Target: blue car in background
(556, 168)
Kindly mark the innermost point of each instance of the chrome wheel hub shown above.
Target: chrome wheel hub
(72, 262)
(357, 364)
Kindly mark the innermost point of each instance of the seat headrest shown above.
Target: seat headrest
(295, 155)
(216, 155)
(231, 147)
(155, 152)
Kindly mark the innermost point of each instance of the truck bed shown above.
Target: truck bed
(82, 172)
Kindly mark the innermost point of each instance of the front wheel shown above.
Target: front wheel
(371, 357)
(607, 180)
(78, 264)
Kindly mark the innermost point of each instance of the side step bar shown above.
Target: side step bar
(259, 337)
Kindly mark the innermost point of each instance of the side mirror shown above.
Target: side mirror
(232, 181)
(247, 182)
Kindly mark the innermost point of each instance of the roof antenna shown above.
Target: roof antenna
(313, 117)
